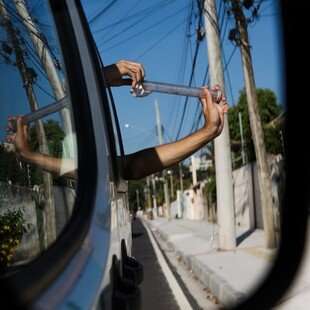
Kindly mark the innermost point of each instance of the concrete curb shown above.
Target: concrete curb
(229, 296)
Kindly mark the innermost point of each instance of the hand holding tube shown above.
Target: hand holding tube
(147, 87)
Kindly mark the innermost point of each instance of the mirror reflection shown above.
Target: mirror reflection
(38, 145)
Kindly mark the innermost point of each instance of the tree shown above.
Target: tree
(11, 170)
(269, 109)
(133, 186)
(55, 136)
(28, 80)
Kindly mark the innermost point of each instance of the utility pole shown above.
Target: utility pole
(48, 233)
(181, 177)
(256, 127)
(241, 135)
(224, 186)
(48, 65)
(148, 196)
(154, 197)
(138, 200)
(160, 138)
(194, 172)
(180, 193)
(170, 172)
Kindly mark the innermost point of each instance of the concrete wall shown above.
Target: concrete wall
(275, 164)
(191, 204)
(248, 213)
(17, 197)
(243, 197)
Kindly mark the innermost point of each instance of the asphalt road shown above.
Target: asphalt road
(155, 290)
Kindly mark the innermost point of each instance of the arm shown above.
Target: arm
(64, 166)
(148, 161)
(58, 166)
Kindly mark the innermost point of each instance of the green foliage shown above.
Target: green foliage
(11, 169)
(269, 109)
(133, 186)
(141, 186)
(12, 229)
(210, 189)
(54, 137)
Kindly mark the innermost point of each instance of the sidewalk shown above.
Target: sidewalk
(230, 275)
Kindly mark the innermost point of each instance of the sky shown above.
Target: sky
(161, 35)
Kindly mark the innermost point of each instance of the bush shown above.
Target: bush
(12, 229)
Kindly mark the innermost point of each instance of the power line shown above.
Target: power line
(132, 25)
(181, 73)
(46, 92)
(145, 12)
(226, 69)
(157, 23)
(196, 122)
(161, 39)
(19, 19)
(190, 83)
(130, 9)
(222, 34)
(102, 11)
(192, 72)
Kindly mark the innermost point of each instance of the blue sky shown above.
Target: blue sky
(161, 35)
(158, 34)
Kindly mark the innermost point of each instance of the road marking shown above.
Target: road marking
(173, 283)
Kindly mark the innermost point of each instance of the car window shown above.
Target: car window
(37, 185)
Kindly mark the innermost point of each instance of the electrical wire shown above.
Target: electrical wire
(197, 120)
(157, 23)
(192, 73)
(31, 53)
(19, 19)
(128, 27)
(102, 12)
(144, 12)
(175, 104)
(46, 92)
(190, 83)
(160, 40)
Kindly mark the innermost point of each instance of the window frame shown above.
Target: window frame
(38, 274)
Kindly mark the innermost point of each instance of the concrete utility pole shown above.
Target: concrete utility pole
(154, 197)
(47, 63)
(181, 176)
(194, 171)
(48, 232)
(147, 190)
(224, 187)
(241, 135)
(180, 192)
(256, 127)
(160, 139)
(170, 172)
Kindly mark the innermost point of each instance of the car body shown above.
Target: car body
(78, 242)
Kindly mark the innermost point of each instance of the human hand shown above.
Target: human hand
(114, 73)
(19, 138)
(213, 112)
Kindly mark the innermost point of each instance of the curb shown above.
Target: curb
(229, 296)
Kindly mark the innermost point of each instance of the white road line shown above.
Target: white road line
(174, 285)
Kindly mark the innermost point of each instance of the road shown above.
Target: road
(167, 284)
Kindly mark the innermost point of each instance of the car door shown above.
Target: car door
(73, 245)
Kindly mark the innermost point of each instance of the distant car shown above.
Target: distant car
(65, 243)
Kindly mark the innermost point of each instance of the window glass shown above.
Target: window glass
(38, 164)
